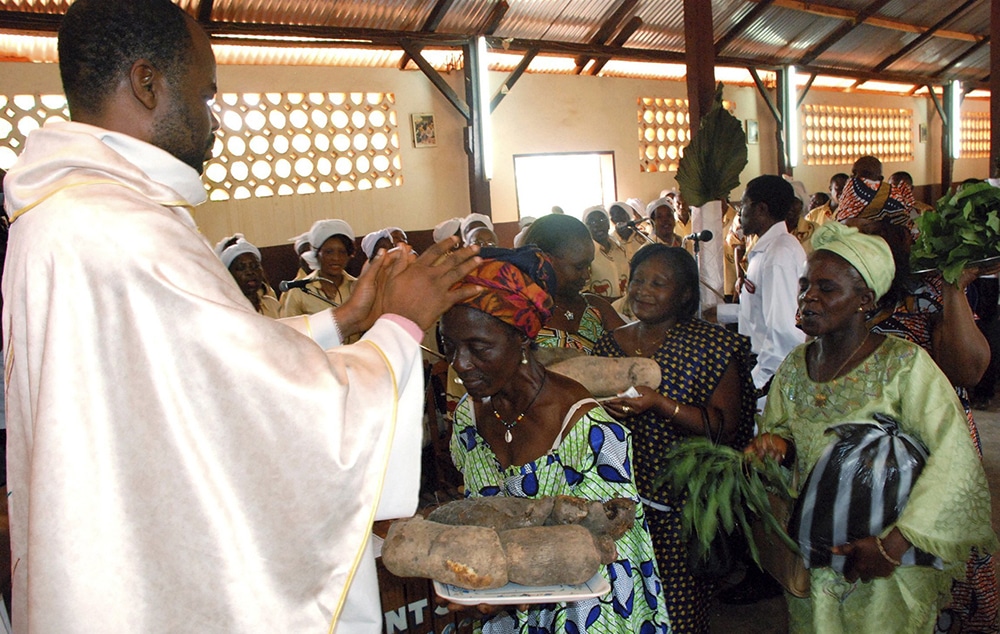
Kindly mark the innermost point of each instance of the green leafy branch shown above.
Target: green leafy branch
(713, 160)
(962, 229)
(723, 489)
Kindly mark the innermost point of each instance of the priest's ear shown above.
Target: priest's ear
(145, 81)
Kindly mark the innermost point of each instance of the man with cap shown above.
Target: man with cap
(177, 462)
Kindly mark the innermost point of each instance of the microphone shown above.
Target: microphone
(704, 236)
(285, 285)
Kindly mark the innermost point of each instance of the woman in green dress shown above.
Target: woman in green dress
(847, 373)
(525, 432)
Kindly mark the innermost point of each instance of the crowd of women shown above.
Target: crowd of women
(881, 340)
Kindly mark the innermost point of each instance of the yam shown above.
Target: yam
(613, 518)
(470, 557)
(607, 377)
(550, 555)
(499, 513)
(551, 356)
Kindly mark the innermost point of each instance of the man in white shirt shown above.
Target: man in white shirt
(178, 462)
(768, 299)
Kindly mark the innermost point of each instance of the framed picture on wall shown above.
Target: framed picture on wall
(424, 133)
(753, 132)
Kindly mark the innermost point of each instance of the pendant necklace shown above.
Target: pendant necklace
(507, 436)
(570, 315)
(820, 399)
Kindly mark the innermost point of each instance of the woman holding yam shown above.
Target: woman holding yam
(525, 432)
(705, 389)
(848, 373)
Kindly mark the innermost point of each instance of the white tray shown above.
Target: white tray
(515, 594)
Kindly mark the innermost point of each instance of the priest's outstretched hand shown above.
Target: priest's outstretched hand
(416, 287)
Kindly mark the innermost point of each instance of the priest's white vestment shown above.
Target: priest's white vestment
(177, 462)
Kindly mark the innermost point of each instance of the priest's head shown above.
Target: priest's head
(143, 68)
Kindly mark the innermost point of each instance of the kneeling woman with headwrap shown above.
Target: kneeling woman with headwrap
(846, 374)
(525, 432)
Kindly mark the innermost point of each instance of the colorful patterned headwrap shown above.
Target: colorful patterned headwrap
(516, 285)
(870, 255)
(875, 200)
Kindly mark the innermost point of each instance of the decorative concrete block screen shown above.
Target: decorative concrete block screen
(839, 135)
(268, 144)
(297, 143)
(975, 135)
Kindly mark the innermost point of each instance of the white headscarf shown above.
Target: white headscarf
(299, 240)
(663, 201)
(800, 190)
(369, 241)
(238, 248)
(399, 229)
(594, 208)
(471, 218)
(323, 230)
(446, 228)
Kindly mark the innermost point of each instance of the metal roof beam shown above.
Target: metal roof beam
(430, 24)
(495, 18)
(923, 37)
(607, 28)
(762, 89)
(843, 30)
(965, 54)
(805, 90)
(205, 11)
(436, 79)
(508, 83)
(828, 11)
(742, 25)
(631, 27)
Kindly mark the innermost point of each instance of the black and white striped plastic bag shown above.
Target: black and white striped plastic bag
(859, 486)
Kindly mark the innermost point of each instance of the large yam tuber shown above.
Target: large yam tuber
(613, 518)
(465, 556)
(603, 376)
(550, 555)
(499, 513)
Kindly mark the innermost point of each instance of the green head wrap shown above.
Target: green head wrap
(870, 255)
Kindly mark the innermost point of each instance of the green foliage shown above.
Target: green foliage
(723, 489)
(961, 230)
(713, 160)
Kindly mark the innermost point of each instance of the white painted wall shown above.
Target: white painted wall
(543, 113)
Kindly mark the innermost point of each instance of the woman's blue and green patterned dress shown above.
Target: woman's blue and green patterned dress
(593, 462)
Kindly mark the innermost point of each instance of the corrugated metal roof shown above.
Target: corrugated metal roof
(864, 47)
(784, 32)
(662, 26)
(399, 15)
(36, 6)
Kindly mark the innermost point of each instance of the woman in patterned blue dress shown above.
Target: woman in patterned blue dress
(705, 389)
(525, 432)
